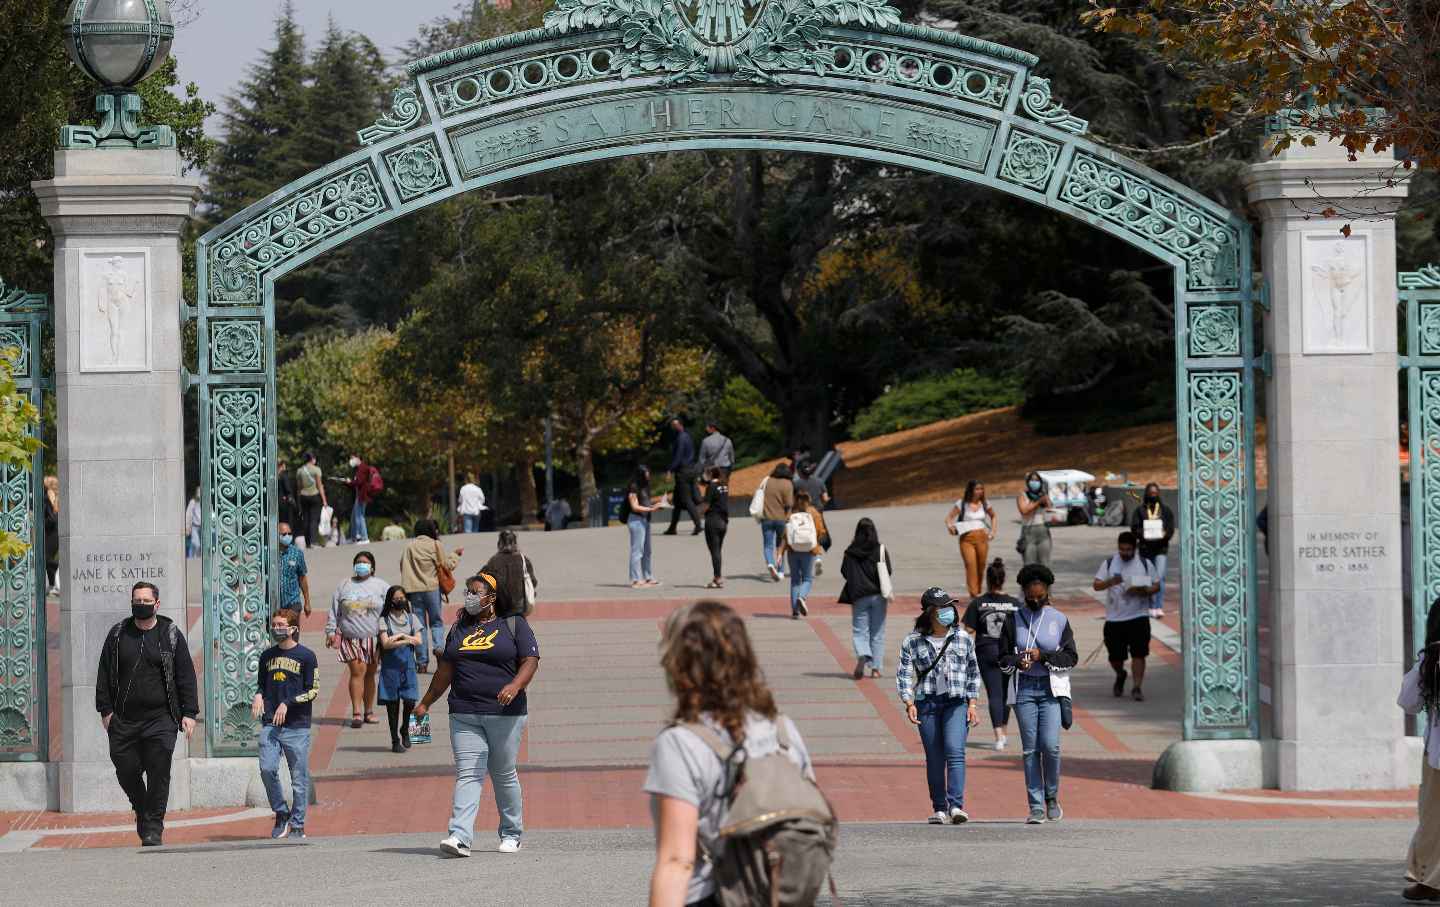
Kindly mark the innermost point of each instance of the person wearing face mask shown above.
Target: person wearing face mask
(400, 633)
(939, 684)
(487, 663)
(1033, 502)
(365, 483)
(1152, 525)
(288, 684)
(1130, 583)
(146, 694)
(1037, 649)
(294, 574)
(351, 628)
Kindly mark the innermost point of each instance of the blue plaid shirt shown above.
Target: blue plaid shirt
(958, 675)
(292, 567)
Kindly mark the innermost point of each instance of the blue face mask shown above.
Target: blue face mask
(946, 616)
(1033, 485)
(363, 569)
(286, 539)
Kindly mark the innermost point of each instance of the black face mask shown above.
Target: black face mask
(1152, 498)
(142, 612)
(1036, 604)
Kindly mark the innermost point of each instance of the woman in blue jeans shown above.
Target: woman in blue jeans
(800, 555)
(939, 684)
(637, 502)
(1036, 643)
(861, 569)
(487, 663)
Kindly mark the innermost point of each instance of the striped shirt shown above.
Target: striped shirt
(957, 675)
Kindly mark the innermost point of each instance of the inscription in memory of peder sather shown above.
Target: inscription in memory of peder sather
(952, 139)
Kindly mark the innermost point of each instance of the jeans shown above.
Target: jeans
(771, 531)
(428, 608)
(485, 743)
(715, 541)
(944, 728)
(1037, 711)
(975, 552)
(358, 532)
(1157, 602)
(1037, 544)
(867, 629)
(294, 742)
(470, 522)
(802, 577)
(639, 549)
(192, 543)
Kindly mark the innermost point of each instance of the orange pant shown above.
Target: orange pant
(975, 550)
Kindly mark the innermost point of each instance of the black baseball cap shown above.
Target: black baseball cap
(935, 597)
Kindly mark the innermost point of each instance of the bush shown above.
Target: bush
(933, 399)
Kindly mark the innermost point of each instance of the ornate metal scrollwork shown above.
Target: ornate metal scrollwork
(1214, 331)
(1029, 160)
(417, 169)
(405, 113)
(1036, 102)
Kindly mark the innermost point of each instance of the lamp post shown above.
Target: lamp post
(118, 43)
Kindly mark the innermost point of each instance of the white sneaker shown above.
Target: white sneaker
(454, 848)
(819, 566)
(774, 574)
(1000, 744)
(958, 816)
(509, 845)
(940, 818)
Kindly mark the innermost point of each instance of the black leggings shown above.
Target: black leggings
(310, 507)
(997, 686)
(399, 725)
(715, 540)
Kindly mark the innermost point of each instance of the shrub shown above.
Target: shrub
(751, 422)
(935, 398)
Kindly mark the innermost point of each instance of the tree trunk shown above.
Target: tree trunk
(529, 500)
(805, 418)
(585, 458)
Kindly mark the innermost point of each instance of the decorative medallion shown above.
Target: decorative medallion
(1028, 161)
(236, 346)
(417, 169)
(692, 40)
(1214, 331)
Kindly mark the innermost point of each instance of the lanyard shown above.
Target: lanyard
(1034, 628)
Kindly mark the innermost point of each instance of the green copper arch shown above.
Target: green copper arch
(610, 78)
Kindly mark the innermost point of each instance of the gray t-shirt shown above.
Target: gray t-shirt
(684, 767)
(1120, 603)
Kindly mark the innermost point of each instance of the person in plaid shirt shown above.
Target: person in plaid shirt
(939, 683)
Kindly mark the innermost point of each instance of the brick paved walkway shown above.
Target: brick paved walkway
(599, 699)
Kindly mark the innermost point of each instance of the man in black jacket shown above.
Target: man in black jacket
(682, 470)
(145, 693)
(1153, 524)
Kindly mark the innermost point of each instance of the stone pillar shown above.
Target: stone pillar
(1332, 409)
(117, 216)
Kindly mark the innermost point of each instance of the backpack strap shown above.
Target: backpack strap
(782, 732)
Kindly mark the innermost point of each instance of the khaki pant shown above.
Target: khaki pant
(1423, 862)
(975, 550)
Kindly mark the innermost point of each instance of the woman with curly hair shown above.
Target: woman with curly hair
(1420, 690)
(711, 668)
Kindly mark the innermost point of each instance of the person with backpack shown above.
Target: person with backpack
(427, 573)
(400, 634)
(1153, 525)
(636, 511)
(771, 505)
(972, 520)
(939, 684)
(365, 484)
(1037, 648)
(717, 520)
(488, 662)
(514, 577)
(868, 596)
(799, 548)
(1033, 503)
(701, 787)
(985, 619)
(146, 695)
(1129, 581)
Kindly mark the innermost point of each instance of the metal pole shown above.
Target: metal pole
(549, 460)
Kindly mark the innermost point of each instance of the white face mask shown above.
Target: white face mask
(354, 461)
(476, 604)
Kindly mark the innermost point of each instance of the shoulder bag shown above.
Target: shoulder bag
(882, 570)
(443, 576)
(529, 583)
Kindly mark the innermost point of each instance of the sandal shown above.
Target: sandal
(875, 672)
(371, 719)
(714, 584)
(355, 721)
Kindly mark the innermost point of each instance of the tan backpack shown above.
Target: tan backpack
(778, 832)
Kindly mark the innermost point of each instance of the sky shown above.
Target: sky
(215, 50)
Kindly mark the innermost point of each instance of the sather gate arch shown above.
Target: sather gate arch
(609, 78)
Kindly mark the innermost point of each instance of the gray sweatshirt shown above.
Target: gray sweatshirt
(355, 608)
(716, 450)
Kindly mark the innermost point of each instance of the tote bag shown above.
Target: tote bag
(882, 569)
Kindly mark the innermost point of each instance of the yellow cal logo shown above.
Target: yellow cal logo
(479, 641)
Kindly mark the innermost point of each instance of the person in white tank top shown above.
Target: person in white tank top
(972, 520)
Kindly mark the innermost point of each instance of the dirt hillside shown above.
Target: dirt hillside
(932, 463)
